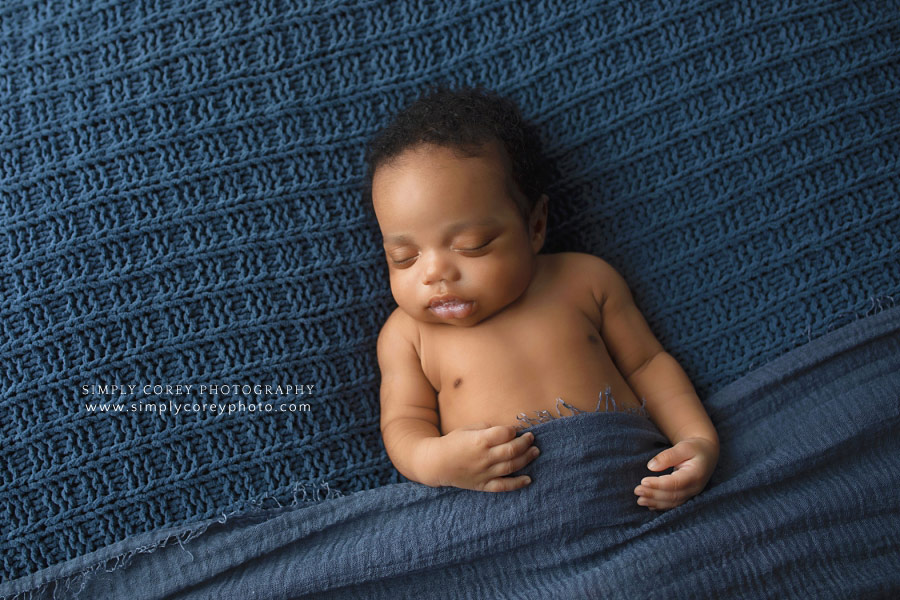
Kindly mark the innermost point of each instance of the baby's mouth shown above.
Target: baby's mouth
(451, 308)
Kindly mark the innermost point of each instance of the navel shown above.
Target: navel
(593, 338)
(457, 382)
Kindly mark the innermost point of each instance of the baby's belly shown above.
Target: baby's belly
(529, 398)
(495, 372)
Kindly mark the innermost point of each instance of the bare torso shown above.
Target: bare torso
(546, 345)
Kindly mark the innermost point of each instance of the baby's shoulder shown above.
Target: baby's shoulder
(579, 274)
(574, 258)
(578, 266)
(399, 327)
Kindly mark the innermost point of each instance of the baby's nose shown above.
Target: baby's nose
(438, 267)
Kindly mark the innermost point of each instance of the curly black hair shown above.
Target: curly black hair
(465, 119)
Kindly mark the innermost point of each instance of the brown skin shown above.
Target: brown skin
(528, 328)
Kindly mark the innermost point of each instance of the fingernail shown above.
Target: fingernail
(651, 464)
(527, 480)
(535, 450)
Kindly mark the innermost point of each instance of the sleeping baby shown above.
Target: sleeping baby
(486, 327)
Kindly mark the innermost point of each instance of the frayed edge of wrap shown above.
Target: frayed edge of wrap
(603, 405)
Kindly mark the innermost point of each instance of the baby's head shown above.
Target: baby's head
(457, 183)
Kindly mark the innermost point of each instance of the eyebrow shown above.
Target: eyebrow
(454, 228)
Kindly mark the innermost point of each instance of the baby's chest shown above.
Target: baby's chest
(506, 350)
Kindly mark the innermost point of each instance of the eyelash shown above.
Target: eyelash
(411, 258)
(475, 248)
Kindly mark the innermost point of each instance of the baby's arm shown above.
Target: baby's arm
(671, 400)
(477, 457)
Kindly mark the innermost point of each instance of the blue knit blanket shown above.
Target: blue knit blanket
(182, 223)
(803, 504)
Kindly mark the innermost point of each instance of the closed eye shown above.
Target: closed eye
(405, 261)
(476, 248)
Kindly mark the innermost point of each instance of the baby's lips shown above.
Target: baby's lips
(446, 299)
(451, 308)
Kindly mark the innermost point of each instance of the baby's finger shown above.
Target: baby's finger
(671, 457)
(500, 434)
(507, 466)
(506, 484)
(512, 448)
(680, 479)
(656, 496)
(663, 500)
(479, 425)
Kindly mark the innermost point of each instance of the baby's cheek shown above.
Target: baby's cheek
(512, 277)
(401, 294)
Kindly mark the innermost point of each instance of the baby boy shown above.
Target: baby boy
(487, 327)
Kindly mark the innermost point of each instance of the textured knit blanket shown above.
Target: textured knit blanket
(803, 504)
(182, 221)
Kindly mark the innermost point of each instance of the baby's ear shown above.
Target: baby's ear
(537, 226)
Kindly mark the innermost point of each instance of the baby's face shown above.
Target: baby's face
(458, 249)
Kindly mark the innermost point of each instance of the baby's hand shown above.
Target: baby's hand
(694, 460)
(478, 457)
